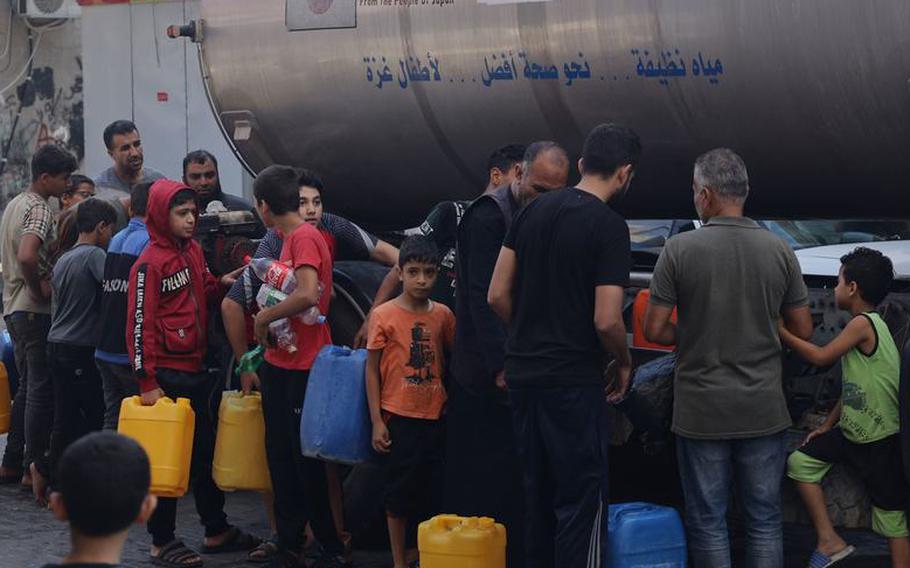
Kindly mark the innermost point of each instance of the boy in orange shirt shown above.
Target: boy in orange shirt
(407, 340)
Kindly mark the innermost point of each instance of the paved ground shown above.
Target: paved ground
(30, 537)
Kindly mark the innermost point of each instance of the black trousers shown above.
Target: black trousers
(298, 482)
(33, 408)
(562, 444)
(78, 397)
(482, 473)
(200, 389)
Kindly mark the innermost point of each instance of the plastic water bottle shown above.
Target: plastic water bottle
(276, 274)
(312, 315)
(281, 330)
(284, 335)
(269, 296)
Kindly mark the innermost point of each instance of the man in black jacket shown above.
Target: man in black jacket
(482, 476)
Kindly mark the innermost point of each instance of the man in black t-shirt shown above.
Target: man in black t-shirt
(559, 283)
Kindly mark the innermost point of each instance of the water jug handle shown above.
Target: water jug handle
(446, 522)
(449, 522)
(181, 402)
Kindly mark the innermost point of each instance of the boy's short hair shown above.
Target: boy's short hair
(75, 181)
(609, 147)
(103, 479)
(506, 157)
(872, 271)
(52, 160)
(309, 178)
(418, 248)
(279, 187)
(139, 198)
(93, 211)
(182, 197)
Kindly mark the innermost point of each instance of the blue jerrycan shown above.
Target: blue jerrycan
(642, 535)
(335, 424)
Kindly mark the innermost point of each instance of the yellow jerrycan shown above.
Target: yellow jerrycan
(5, 402)
(165, 432)
(449, 541)
(240, 462)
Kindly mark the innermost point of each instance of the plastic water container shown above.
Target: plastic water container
(335, 425)
(450, 541)
(9, 359)
(642, 535)
(240, 462)
(5, 401)
(165, 432)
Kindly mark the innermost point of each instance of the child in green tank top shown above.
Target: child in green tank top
(862, 431)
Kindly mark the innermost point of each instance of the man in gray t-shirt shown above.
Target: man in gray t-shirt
(732, 281)
(121, 138)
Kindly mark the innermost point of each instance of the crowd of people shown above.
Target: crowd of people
(486, 349)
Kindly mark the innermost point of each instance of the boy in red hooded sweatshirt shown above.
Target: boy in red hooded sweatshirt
(170, 286)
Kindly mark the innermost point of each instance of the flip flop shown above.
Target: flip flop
(821, 560)
(176, 555)
(237, 541)
(264, 553)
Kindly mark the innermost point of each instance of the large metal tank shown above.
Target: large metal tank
(399, 110)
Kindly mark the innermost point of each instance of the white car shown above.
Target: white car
(825, 260)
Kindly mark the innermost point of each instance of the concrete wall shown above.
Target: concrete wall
(48, 106)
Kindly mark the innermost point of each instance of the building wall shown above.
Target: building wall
(132, 70)
(114, 62)
(40, 107)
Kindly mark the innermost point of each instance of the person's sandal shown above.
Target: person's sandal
(236, 541)
(264, 553)
(176, 555)
(821, 560)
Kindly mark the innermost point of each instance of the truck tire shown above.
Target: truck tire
(364, 514)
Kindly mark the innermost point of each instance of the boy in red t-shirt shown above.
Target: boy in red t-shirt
(299, 483)
(407, 340)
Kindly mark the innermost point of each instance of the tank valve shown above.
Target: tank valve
(191, 30)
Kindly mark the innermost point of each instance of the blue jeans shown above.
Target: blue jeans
(708, 470)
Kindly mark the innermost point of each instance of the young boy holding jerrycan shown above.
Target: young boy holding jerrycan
(166, 339)
(863, 429)
(102, 489)
(408, 337)
(299, 483)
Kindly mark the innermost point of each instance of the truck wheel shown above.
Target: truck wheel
(345, 318)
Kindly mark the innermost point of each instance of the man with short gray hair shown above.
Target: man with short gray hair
(732, 281)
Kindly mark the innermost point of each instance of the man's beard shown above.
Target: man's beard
(212, 192)
(134, 166)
